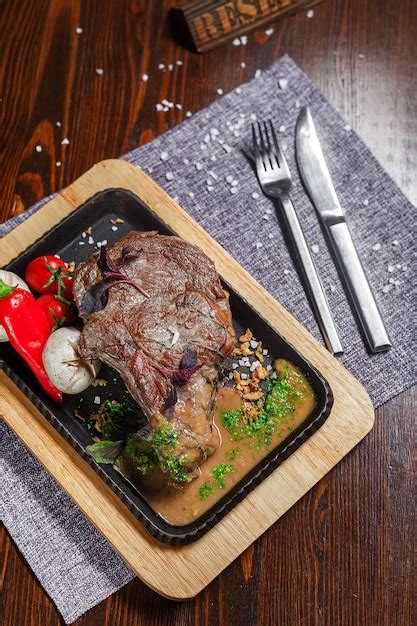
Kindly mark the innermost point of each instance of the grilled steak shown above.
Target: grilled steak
(154, 310)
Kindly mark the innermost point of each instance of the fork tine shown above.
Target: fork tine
(264, 150)
(271, 152)
(279, 154)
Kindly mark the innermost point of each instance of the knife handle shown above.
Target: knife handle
(312, 282)
(358, 287)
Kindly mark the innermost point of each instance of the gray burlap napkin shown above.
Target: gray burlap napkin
(204, 164)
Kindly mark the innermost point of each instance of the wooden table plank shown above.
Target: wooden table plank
(342, 555)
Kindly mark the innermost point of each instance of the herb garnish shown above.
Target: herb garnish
(105, 451)
(220, 471)
(205, 491)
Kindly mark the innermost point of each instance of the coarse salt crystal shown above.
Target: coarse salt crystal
(229, 178)
(58, 124)
(283, 83)
(227, 148)
(65, 141)
(186, 161)
(254, 343)
(210, 188)
(104, 242)
(213, 157)
(188, 114)
(179, 106)
(169, 176)
(78, 30)
(235, 365)
(244, 376)
(191, 194)
(145, 78)
(404, 268)
(99, 244)
(269, 367)
(387, 288)
(265, 351)
(269, 32)
(161, 66)
(114, 228)
(347, 128)
(258, 245)
(234, 183)
(398, 266)
(38, 148)
(99, 71)
(170, 67)
(84, 235)
(366, 202)
(243, 64)
(238, 90)
(376, 247)
(213, 175)
(159, 107)
(391, 268)
(214, 132)
(233, 190)
(361, 55)
(179, 62)
(258, 73)
(255, 195)
(198, 166)
(268, 211)
(253, 117)
(175, 338)
(310, 13)
(81, 243)
(244, 40)
(164, 156)
(90, 240)
(220, 91)
(58, 163)
(286, 272)
(97, 400)
(207, 138)
(315, 248)
(236, 42)
(332, 288)
(281, 129)
(395, 242)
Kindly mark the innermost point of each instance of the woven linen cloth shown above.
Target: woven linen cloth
(205, 164)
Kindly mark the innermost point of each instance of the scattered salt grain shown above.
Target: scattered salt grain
(332, 288)
(253, 117)
(159, 107)
(191, 194)
(186, 161)
(236, 42)
(387, 288)
(265, 351)
(164, 156)
(175, 337)
(213, 157)
(391, 268)
(244, 40)
(395, 242)
(376, 247)
(315, 249)
(90, 240)
(170, 67)
(58, 124)
(238, 90)
(214, 132)
(169, 176)
(198, 166)
(78, 30)
(227, 148)
(281, 129)
(233, 190)
(161, 66)
(210, 188)
(365, 202)
(244, 376)
(84, 235)
(229, 178)
(179, 62)
(310, 14)
(58, 163)
(234, 183)
(404, 268)
(97, 400)
(235, 365)
(347, 128)
(114, 228)
(220, 91)
(286, 272)
(179, 106)
(99, 71)
(253, 343)
(269, 367)
(271, 235)
(269, 32)
(213, 175)
(283, 83)
(145, 78)
(65, 141)
(255, 195)
(188, 114)
(361, 56)
(265, 217)
(258, 73)
(258, 245)
(38, 148)
(243, 64)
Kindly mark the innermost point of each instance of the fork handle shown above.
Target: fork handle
(312, 282)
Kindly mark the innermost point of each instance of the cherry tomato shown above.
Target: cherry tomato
(57, 312)
(47, 274)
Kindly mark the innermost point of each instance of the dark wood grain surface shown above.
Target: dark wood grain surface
(344, 554)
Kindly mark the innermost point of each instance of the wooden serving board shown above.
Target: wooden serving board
(181, 572)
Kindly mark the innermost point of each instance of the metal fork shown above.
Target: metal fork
(275, 180)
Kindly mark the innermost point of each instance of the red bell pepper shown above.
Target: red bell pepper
(27, 328)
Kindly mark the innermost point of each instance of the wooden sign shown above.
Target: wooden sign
(206, 24)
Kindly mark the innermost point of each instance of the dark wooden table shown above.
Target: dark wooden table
(344, 554)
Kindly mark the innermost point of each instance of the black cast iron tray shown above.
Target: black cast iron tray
(63, 240)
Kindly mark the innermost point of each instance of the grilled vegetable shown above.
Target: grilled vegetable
(66, 370)
(28, 329)
(48, 274)
(13, 280)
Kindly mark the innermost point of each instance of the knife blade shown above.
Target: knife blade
(317, 180)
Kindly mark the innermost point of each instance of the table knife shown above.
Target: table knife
(316, 178)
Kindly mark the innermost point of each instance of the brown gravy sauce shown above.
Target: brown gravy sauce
(182, 505)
